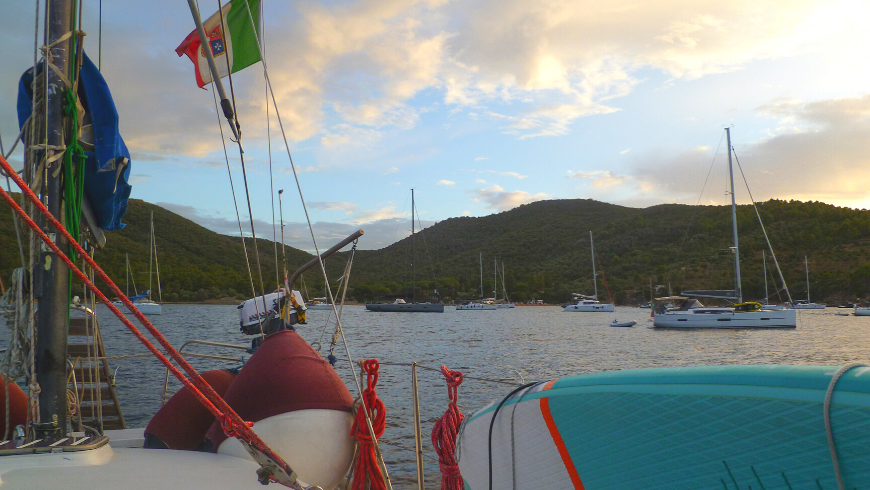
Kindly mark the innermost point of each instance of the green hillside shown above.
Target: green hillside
(545, 249)
(196, 264)
(544, 246)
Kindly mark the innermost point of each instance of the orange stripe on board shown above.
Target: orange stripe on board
(557, 439)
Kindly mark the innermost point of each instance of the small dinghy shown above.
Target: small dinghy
(617, 323)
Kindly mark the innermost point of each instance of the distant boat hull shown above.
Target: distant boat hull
(319, 306)
(726, 318)
(597, 308)
(629, 323)
(476, 306)
(809, 306)
(506, 305)
(407, 307)
(772, 307)
(859, 311)
(146, 308)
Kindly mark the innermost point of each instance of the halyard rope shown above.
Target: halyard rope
(229, 419)
(445, 431)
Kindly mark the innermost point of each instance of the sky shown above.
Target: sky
(482, 106)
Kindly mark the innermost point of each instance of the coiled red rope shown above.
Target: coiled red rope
(445, 431)
(230, 420)
(367, 472)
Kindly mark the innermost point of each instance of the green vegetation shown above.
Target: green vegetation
(544, 246)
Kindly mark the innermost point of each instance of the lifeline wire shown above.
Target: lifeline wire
(316, 248)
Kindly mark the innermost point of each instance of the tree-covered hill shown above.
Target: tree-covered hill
(545, 250)
(544, 247)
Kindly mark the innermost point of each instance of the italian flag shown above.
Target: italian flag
(234, 49)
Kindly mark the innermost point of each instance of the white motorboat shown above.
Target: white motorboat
(318, 304)
(589, 303)
(690, 313)
(862, 311)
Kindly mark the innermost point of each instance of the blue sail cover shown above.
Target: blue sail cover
(108, 167)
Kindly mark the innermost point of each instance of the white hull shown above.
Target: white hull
(862, 311)
(476, 306)
(809, 306)
(725, 318)
(146, 308)
(772, 307)
(506, 305)
(598, 308)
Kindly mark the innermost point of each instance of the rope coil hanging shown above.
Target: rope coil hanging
(367, 473)
(445, 432)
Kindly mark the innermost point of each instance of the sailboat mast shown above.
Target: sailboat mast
(156, 260)
(151, 254)
(495, 277)
(594, 275)
(807, 269)
(481, 275)
(739, 289)
(283, 253)
(764, 265)
(413, 255)
(53, 296)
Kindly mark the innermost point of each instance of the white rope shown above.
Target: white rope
(827, 411)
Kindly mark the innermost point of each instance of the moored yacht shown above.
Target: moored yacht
(690, 313)
(589, 305)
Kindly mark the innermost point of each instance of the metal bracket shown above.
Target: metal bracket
(269, 469)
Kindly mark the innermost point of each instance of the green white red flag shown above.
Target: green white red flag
(233, 42)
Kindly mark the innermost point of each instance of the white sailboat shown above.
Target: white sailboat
(766, 305)
(478, 305)
(808, 305)
(504, 303)
(589, 303)
(690, 313)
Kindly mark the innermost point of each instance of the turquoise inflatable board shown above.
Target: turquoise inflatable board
(731, 427)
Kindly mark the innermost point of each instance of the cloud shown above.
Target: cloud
(497, 198)
(480, 159)
(599, 178)
(388, 212)
(509, 174)
(138, 179)
(391, 170)
(623, 152)
(466, 213)
(445, 182)
(347, 207)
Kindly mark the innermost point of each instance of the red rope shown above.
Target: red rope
(366, 469)
(197, 386)
(445, 431)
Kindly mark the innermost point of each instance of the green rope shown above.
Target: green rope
(73, 171)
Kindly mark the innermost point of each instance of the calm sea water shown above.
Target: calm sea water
(510, 345)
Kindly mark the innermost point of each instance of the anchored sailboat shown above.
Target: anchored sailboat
(481, 304)
(690, 313)
(590, 303)
(400, 305)
(808, 305)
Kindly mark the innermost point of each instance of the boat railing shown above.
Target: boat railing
(202, 355)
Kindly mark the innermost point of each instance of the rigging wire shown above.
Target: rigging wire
(271, 174)
(425, 245)
(236, 203)
(317, 248)
(763, 230)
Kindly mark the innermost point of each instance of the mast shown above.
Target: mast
(594, 275)
(495, 277)
(51, 274)
(151, 254)
(481, 275)
(764, 265)
(413, 255)
(807, 268)
(283, 253)
(737, 290)
(156, 262)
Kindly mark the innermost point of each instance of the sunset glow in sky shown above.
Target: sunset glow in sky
(484, 105)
